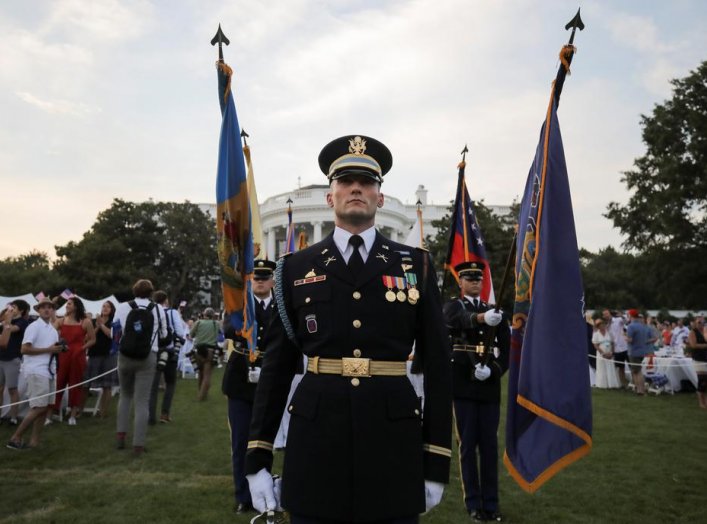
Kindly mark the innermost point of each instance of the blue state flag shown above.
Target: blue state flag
(233, 217)
(549, 416)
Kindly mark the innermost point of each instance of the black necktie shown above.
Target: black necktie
(475, 302)
(355, 261)
(262, 305)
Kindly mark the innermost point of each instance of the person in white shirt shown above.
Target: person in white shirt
(680, 334)
(39, 346)
(136, 375)
(168, 357)
(617, 329)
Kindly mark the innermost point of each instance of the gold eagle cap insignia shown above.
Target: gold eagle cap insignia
(357, 145)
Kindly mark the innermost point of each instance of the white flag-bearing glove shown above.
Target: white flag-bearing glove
(254, 375)
(482, 372)
(262, 491)
(493, 317)
(433, 494)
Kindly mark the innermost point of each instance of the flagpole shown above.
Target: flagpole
(419, 221)
(566, 55)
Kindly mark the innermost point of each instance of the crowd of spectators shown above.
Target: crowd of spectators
(76, 353)
(619, 339)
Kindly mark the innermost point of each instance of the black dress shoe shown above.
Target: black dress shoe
(478, 515)
(243, 508)
(494, 516)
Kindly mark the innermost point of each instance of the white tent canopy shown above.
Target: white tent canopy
(27, 297)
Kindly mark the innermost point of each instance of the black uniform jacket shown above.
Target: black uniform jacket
(235, 378)
(357, 449)
(464, 329)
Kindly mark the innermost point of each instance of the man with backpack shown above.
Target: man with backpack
(167, 359)
(142, 323)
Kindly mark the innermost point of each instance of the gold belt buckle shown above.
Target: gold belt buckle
(355, 367)
(480, 349)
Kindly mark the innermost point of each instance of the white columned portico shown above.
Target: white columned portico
(271, 243)
(317, 231)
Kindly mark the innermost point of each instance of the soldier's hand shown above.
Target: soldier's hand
(262, 491)
(493, 317)
(433, 494)
(482, 372)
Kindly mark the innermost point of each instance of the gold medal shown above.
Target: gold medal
(414, 294)
(390, 295)
(412, 299)
(401, 296)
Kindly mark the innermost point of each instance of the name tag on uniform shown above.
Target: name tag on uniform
(310, 280)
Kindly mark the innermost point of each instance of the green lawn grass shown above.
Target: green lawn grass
(648, 464)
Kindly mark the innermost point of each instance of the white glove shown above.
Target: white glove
(433, 494)
(492, 317)
(482, 372)
(262, 491)
(254, 375)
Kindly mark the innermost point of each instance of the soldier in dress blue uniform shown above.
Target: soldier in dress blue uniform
(359, 448)
(241, 378)
(477, 375)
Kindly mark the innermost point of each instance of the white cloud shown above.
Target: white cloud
(58, 107)
(114, 20)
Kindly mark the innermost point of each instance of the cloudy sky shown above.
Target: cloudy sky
(104, 98)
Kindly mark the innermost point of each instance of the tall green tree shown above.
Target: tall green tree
(665, 218)
(30, 273)
(172, 244)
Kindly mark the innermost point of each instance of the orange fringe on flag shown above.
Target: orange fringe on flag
(565, 53)
(226, 70)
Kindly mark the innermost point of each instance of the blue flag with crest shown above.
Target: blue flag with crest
(549, 416)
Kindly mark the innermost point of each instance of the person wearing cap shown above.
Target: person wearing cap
(359, 447)
(241, 378)
(39, 347)
(477, 331)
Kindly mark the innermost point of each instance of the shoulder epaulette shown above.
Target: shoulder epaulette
(286, 255)
(423, 249)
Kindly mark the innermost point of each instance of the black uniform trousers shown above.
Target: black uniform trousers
(239, 414)
(477, 427)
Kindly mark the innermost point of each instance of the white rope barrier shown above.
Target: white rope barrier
(648, 363)
(64, 390)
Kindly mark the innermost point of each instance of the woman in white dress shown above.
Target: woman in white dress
(604, 344)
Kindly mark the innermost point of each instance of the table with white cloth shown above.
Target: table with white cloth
(675, 368)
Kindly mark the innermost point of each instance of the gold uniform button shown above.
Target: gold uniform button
(357, 353)
(417, 412)
(356, 295)
(307, 300)
(290, 408)
(357, 323)
(355, 382)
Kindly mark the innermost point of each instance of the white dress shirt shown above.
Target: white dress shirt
(341, 239)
